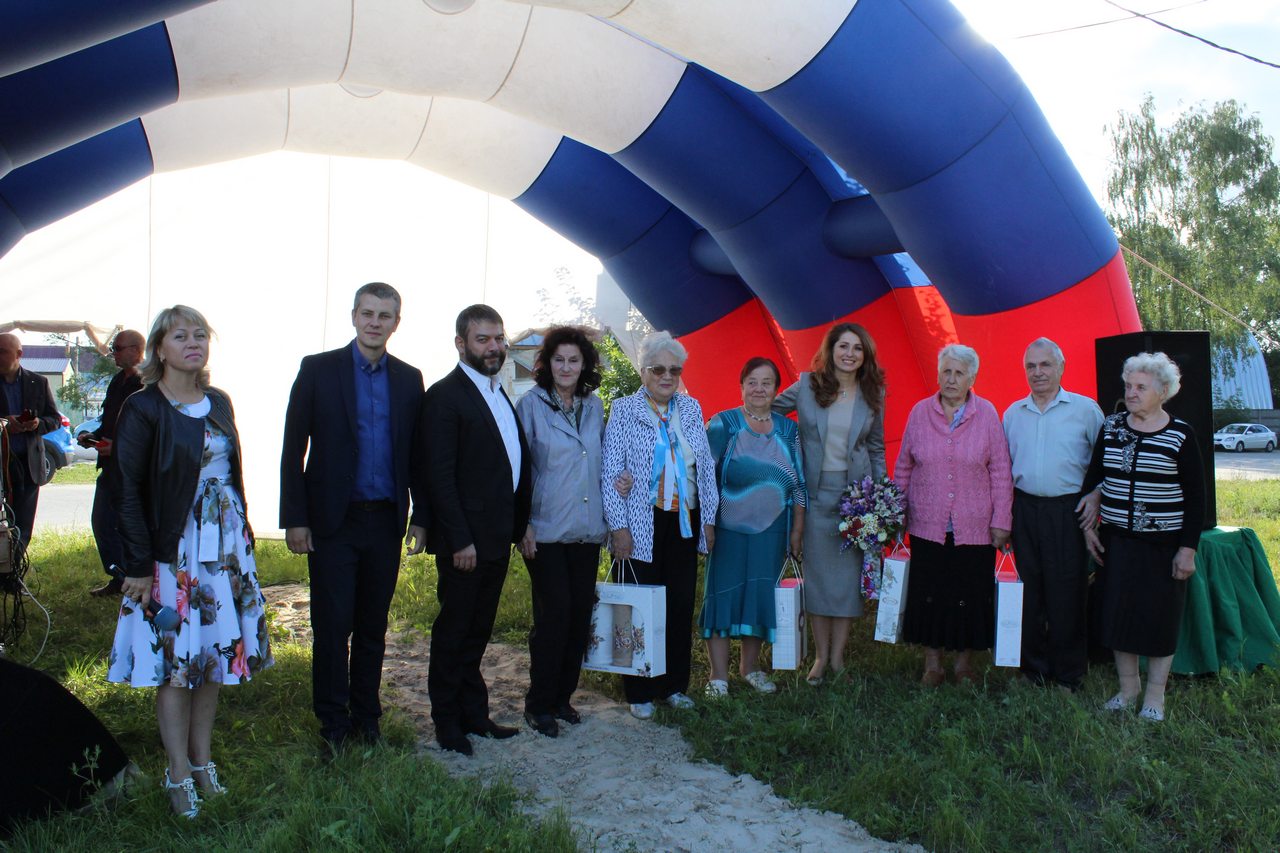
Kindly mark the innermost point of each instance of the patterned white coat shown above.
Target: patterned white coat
(630, 440)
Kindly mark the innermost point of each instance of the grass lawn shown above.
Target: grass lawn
(999, 767)
(283, 798)
(75, 474)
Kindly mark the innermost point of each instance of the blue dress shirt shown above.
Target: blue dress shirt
(375, 474)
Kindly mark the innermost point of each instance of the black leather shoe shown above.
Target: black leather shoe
(454, 741)
(543, 724)
(569, 714)
(490, 729)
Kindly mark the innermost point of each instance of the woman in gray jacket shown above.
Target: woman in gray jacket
(840, 404)
(563, 421)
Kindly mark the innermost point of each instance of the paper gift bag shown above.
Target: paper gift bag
(1008, 650)
(893, 594)
(790, 643)
(628, 629)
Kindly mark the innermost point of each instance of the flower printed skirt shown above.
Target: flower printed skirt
(221, 637)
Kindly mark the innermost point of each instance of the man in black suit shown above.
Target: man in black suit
(127, 350)
(480, 493)
(26, 403)
(353, 416)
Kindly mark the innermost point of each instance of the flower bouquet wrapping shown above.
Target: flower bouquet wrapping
(872, 515)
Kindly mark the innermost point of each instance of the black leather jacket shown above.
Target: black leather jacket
(159, 451)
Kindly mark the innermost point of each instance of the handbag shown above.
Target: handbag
(628, 626)
(790, 644)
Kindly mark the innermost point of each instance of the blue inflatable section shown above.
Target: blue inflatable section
(51, 106)
(938, 127)
(45, 191)
(35, 31)
(639, 236)
(761, 203)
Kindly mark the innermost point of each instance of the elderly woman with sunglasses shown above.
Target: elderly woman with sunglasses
(658, 434)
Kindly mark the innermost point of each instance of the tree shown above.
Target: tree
(1200, 200)
(617, 373)
(76, 394)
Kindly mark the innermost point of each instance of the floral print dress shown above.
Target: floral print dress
(221, 637)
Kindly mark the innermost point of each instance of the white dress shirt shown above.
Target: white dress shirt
(491, 389)
(1051, 449)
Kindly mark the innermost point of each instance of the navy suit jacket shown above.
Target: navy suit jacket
(320, 426)
(470, 475)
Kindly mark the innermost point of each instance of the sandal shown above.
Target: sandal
(1155, 715)
(188, 787)
(1119, 702)
(211, 771)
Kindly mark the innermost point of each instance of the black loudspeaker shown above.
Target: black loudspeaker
(1193, 403)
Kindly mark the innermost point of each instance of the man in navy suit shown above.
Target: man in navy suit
(26, 403)
(480, 489)
(353, 416)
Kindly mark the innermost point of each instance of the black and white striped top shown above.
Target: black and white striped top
(1152, 482)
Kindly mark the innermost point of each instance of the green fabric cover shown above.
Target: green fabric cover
(1233, 609)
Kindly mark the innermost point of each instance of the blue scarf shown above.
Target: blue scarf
(669, 450)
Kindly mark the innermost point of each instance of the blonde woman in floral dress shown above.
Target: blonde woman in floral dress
(188, 547)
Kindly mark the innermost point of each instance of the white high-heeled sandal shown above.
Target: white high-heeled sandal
(210, 770)
(188, 787)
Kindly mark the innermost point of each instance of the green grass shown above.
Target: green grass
(1010, 767)
(999, 767)
(76, 474)
(266, 744)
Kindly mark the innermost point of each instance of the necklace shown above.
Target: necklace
(172, 396)
(760, 420)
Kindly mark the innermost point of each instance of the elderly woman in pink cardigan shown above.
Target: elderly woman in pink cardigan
(954, 467)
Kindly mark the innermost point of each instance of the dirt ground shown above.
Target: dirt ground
(624, 783)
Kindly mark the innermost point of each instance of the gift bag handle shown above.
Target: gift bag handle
(900, 544)
(1003, 561)
(619, 569)
(790, 562)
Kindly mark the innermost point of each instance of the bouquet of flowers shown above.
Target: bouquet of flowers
(872, 515)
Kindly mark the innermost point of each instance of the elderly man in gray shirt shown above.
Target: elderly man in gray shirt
(1051, 434)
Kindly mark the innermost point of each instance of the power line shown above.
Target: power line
(1128, 17)
(1201, 39)
(1256, 332)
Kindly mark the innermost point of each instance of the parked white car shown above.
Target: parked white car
(1242, 437)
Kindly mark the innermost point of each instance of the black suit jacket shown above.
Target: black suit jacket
(470, 474)
(320, 425)
(38, 397)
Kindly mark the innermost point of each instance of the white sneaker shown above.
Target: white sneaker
(717, 688)
(642, 710)
(680, 702)
(761, 682)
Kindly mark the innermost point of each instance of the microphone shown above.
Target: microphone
(165, 618)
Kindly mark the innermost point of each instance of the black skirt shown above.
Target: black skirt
(950, 595)
(1142, 604)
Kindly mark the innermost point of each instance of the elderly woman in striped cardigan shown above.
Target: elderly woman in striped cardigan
(659, 436)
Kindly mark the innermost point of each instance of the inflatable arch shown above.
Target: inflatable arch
(749, 171)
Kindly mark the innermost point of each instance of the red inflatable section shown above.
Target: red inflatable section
(1099, 306)
(717, 352)
(909, 326)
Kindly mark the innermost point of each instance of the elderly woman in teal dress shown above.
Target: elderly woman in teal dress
(761, 517)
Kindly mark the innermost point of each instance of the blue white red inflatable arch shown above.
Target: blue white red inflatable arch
(749, 171)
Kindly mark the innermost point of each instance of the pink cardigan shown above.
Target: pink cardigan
(963, 475)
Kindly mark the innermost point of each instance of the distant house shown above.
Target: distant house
(53, 362)
(519, 366)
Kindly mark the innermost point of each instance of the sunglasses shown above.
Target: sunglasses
(660, 370)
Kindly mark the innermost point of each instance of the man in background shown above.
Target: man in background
(26, 403)
(127, 350)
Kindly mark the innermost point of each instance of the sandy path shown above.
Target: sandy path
(625, 784)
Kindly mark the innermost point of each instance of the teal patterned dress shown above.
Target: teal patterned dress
(222, 635)
(760, 479)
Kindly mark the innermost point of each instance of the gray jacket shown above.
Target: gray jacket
(866, 434)
(567, 506)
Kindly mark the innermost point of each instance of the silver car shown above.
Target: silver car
(1242, 437)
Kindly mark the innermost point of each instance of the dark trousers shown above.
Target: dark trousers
(22, 496)
(564, 585)
(675, 566)
(468, 605)
(353, 576)
(1053, 564)
(106, 524)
